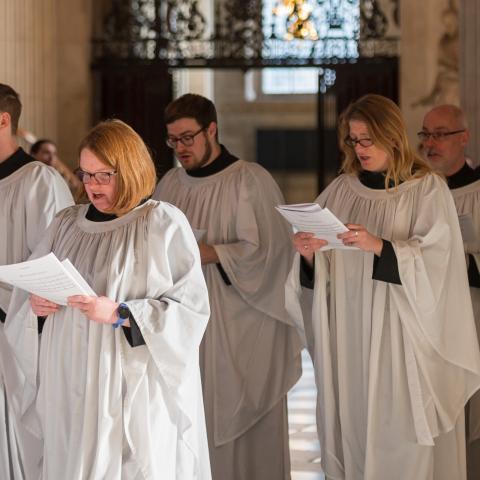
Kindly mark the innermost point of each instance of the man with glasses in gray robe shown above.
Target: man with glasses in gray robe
(30, 195)
(444, 136)
(250, 356)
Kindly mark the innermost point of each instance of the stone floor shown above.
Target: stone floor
(304, 446)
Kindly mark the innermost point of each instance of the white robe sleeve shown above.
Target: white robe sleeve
(47, 195)
(172, 321)
(258, 263)
(441, 348)
(21, 330)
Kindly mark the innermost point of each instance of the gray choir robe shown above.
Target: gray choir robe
(467, 202)
(29, 199)
(103, 409)
(251, 351)
(394, 364)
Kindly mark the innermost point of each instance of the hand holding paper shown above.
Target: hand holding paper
(47, 277)
(311, 218)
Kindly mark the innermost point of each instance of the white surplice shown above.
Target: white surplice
(394, 364)
(251, 351)
(29, 199)
(467, 202)
(104, 409)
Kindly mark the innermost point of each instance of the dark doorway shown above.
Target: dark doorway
(138, 95)
(376, 75)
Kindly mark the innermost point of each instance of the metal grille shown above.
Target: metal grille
(242, 33)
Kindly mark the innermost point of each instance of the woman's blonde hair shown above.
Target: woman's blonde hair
(387, 131)
(117, 145)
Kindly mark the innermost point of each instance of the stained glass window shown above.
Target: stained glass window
(330, 27)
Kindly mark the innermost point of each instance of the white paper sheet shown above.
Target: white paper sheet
(310, 217)
(47, 277)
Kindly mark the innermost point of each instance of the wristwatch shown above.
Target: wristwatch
(123, 313)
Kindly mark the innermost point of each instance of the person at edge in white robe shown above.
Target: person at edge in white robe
(444, 137)
(250, 355)
(30, 195)
(118, 403)
(394, 343)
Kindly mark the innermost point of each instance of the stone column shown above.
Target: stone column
(429, 58)
(28, 63)
(45, 57)
(74, 93)
(470, 71)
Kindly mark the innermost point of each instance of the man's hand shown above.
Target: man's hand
(207, 254)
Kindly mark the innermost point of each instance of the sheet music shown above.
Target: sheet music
(310, 217)
(47, 277)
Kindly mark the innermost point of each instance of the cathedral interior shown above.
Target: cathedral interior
(279, 72)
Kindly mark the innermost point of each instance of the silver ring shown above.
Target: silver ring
(356, 233)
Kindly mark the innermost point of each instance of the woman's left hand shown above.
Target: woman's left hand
(98, 309)
(359, 236)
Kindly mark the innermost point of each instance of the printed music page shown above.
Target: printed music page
(311, 218)
(47, 277)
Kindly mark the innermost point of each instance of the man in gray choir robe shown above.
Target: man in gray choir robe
(444, 136)
(250, 355)
(30, 195)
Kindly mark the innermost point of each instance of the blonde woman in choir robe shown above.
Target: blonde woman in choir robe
(115, 392)
(394, 344)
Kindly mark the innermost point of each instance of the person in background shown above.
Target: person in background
(444, 137)
(395, 350)
(116, 382)
(250, 356)
(46, 151)
(30, 196)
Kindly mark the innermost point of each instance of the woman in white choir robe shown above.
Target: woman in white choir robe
(391, 332)
(117, 403)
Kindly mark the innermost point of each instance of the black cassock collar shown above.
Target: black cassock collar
(95, 215)
(14, 162)
(374, 180)
(224, 160)
(465, 176)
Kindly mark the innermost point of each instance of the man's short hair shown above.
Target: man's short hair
(35, 148)
(193, 106)
(10, 103)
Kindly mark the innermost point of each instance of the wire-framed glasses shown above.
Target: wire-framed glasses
(102, 178)
(424, 135)
(364, 142)
(186, 140)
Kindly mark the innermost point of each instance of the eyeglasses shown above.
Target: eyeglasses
(102, 178)
(423, 136)
(186, 140)
(364, 142)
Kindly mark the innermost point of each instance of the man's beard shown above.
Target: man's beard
(206, 155)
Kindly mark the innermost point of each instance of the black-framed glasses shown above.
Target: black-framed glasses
(423, 136)
(102, 178)
(364, 142)
(186, 140)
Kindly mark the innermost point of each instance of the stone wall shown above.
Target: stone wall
(44, 55)
(429, 63)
